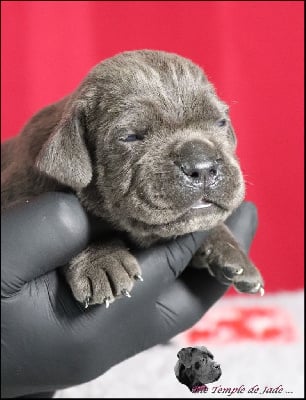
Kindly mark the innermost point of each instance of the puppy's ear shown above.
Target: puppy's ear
(185, 356)
(206, 351)
(65, 156)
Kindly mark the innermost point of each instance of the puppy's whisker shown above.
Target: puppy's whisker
(246, 181)
(249, 183)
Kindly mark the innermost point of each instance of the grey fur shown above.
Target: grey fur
(81, 144)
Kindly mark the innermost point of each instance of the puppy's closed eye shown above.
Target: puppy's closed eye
(132, 136)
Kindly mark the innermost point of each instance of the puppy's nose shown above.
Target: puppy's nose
(205, 172)
(217, 366)
(200, 162)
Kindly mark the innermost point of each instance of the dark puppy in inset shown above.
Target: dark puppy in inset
(145, 144)
(195, 367)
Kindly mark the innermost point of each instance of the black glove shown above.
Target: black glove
(49, 341)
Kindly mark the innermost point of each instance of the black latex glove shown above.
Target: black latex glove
(49, 341)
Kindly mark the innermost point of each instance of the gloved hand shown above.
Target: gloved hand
(49, 341)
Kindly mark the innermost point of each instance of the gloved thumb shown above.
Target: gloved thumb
(39, 235)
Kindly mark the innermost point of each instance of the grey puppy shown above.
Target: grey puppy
(196, 367)
(146, 144)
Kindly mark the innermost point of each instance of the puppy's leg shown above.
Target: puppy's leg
(226, 261)
(101, 273)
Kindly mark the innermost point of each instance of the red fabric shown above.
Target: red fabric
(232, 324)
(251, 51)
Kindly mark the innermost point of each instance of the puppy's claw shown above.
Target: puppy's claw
(86, 302)
(125, 293)
(138, 277)
(106, 302)
(257, 288)
(261, 291)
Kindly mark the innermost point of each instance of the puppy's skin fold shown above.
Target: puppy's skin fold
(146, 144)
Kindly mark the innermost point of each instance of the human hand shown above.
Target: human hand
(49, 341)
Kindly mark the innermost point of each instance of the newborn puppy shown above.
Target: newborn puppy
(195, 367)
(145, 144)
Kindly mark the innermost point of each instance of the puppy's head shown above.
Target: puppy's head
(146, 143)
(197, 364)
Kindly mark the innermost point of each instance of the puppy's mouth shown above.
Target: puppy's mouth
(202, 203)
(205, 203)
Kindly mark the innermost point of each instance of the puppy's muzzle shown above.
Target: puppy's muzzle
(200, 164)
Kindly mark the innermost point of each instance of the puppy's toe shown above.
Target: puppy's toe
(250, 281)
(89, 283)
(226, 263)
(80, 286)
(230, 271)
(119, 279)
(101, 287)
(130, 265)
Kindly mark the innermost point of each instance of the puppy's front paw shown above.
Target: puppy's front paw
(99, 275)
(230, 265)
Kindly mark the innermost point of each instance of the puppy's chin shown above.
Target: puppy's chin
(145, 223)
(193, 219)
(199, 214)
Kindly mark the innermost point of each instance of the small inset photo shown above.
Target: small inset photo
(196, 367)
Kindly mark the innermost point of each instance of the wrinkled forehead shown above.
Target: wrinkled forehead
(159, 84)
(166, 103)
(169, 82)
(166, 107)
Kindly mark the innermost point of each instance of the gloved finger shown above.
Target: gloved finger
(161, 264)
(186, 300)
(39, 235)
